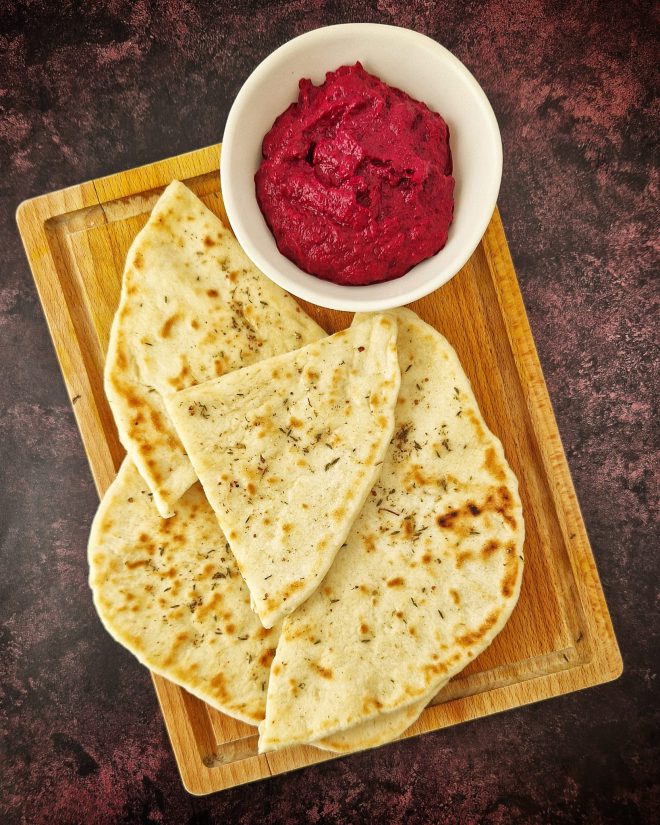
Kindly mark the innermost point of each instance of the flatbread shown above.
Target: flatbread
(169, 591)
(430, 572)
(287, 451)
(376, 731)
(192, 307)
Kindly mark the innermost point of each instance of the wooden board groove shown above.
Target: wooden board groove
(560, 636)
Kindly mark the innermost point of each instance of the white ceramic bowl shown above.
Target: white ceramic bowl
(404, 59)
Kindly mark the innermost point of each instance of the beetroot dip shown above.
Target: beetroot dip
(355, 182)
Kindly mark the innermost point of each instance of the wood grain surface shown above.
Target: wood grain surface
(559, 638)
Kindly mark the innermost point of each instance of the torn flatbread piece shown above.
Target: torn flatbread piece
(192, 307)
(287, 451)
(169, 591)
(376, 731)
(430, 572)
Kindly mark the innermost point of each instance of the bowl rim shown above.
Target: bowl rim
(345, 297)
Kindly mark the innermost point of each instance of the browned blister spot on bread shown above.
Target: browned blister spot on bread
(267, 657)
(180, 381)
(476, 424)
(461, 521)
(208, 609)
(180, 641)
(471, 639)
(219, 687)
(293, 586)
(462, 557)
(371, 703)
(490, 548)
(448, 519)
(157, 421)
(166, 329)
(122, 362)
(511, 575)
(133, 400)
(133, 565)
(493, 465)
(324, 672)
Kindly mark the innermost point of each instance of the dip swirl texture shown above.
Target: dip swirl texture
(355, 182)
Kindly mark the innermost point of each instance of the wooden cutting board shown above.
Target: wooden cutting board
(559, 638)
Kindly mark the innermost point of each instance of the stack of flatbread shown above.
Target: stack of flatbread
(311, 533)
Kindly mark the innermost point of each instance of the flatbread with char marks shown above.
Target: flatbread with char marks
(169, 591)
(192, 307)
(429, 575)
(287, 451)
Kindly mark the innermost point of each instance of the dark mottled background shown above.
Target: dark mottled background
(91, 88)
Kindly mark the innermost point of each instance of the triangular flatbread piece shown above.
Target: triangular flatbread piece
(287, 451)
(377, 731)
(170, 592)
(192, 307)
(430, 572)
